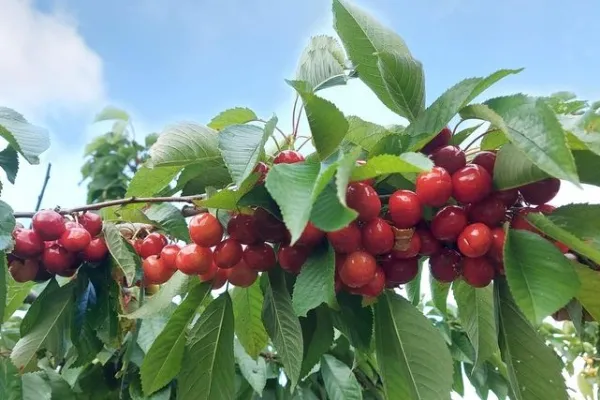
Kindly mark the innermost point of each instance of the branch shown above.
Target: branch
(41, 196)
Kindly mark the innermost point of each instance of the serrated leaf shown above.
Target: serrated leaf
(406, 343)
(247, 305)
(413, 288)
(7, 225)
(439, 294)
(227, 199)
(588, 164)
(364, 133)
(110, 113)
(163, 360)
(391, 164)
(149, 181)
(283, 325)
(169, 218)
(354, 321)
(10, 381)
(254, 371)
(208, 368)
(540, 277)
(195, 178)
(340, 382)
(588, 292)
(232, 116)
(15, 294)
(328, 213)
(175, 286)
(342, 177)
(27, 139)
(35, 387)
(315, 284)
(513, 169)
(122, 253)
(9, 161)
(321, 60)
(317, 334)
(478, 317)
(534, 370)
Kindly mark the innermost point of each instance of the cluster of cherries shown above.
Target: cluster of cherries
(55, 245)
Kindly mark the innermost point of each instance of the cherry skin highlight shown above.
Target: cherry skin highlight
(475, 240)
(228, 253)
(346, 240)
(358, 269)
(478, 272)
(471, 184)
(260, 257)
(451, 158)
(205, 230)
(288, 157)
(540, 192)
(364, 200)
(48, 224)
(405, 208)
(193, 259)
(377, 237)
(75, 239)
(445, 265)
(434, 188)
(448, 223)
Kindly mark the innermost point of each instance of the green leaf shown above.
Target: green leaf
(247, 305)
(439, 294)
(317, 334)
(169, 218)
(10, 381)
(148, 182)
(534, 370)
(534, 129)
(391, 164)
(588, 164)
(364, 133)
(406, 344)
(232, 116)
(241, 147)
(354, 321)
(540, 277)
(35, 387)
(404, 80)
(9, 161)
(227, 199)
(7, 225)
(15, 294)
(345, 167)
(27, 139)
(322, 59)
(163, 361)
(340, 382)
(328, 213)
(177, 285)
(327, 124)
(478, 317)
(413, 288)
(282, 325)
(255, 372)
(588, 292)
(110, 113)
(315, 284)
(3, 285)
(122, 253)
(513, 169)
(208, 368)
(462, 135)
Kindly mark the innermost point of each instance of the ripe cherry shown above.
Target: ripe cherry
(228, 253)
(242, 275)
(205, 230)
(291, 258)
(405, 208)
(24, 271)
(311, 236)
(413, 249)
(268, 227)
(490, 211)
(193, 259)
(96, 251)
(75, 239)
(137, 245)
(241, 228)
(57, 259)
(92, 222)
(445, 265)
(509, 196)
(497, 248)
(400, 271)
(475, 240)
(358, 269)
(429, 244)
(487, 159)
(28, 243)
(434, 188)
(288, 157)
(448, 223)
(440, 140)
(48, 224)
(168, 255)
(471, 184)
(155, 271)
(370, 181)
(378, 237)
(67, 273)
(260, 257)
(346, 240)
(376, 286)
(520, 221)
(210, 274)
(152, 245)
(364, 200)
(261, 169)
(477, 272)
(220, 278)
(451, 158)
(540, 192)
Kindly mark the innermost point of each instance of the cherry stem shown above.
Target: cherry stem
(297, 126)
(43, 191)
(457, 125)
(479, 137)
(294, 114)
(303, 143)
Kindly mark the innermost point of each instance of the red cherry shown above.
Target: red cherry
(137, 245)
(28, 244)
(96, 251)
(405, 208)
(57, 259)
(48, 224)
(291, 258)
(155, 271)
(562, 247)
(193, 259)
(520, 221)
(205, 230)
(220, 278)
(487, 159)
(260, 257)
(311, 236)
(24, 271)
(378, 237)
(429, 244)
(545, 209)
(75, 239)
(242, 275)
(434, 188)
(490, 211)
(400, 271)
(440, 140)
(451, 158)
(268, 227)
(92, 222)
(228, 253)
(168, 255)
(67, 273)
(509, 197)
(152, 245)
(370, 181)
(346, 240)
(262, 169)
(471, 184)
(540, 192)
(241, 228)
(288, 157)
(210, 274)
(376, 286)
(414, 246)
(358, 269)
(445, 265)
(497, 248)
(364, 200)
(448, 223)
(475, 240)
(478, 272)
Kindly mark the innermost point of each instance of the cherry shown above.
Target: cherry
(487, 159)
(358, 269)
(205, 230)
(370, 181)
(311, 235)
(92, 222)
(96, 251)
(448, 223)
(475, 240)
(168, 255)
(261, 169)
(445, 265)
(291, 258)
(520, 221)
(288, 157)
(242, 275)
(400, 271)
(24, 271)
(429, 244)
(28, 243)
(540, 192)
(241, 228)
(413, 249)
(451, 158)
(67, 273)
(18, 228)
(364, 200)
(220, 278)
(260, 257)
(545, 209)
(42, 275)
(434, 188)
(48, 224)
(509, 197)
(440, 140)
(75, 239)
(490, 211)
(137, 245)
(378, 237)
(497, 248)
(210, 274)
(346, 240)
(193, 259)
(405, 208)
(155, 271)
(57, 259)
(268, 227)
(228, 253)
(471, 184)
(152, 245)
(376, 286)
(477, 272)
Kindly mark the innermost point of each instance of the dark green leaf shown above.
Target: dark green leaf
(177, 285)
(34, 387)
(439, 294)
(328, 212)
(232, 116)
(9, 161)
(321, 60)
(27, 139)
(10, 381)
(169, 218)
(148, 182)
(354, 321)
(413, 288)
(340, 382)
(513, 169)
(458, 386)
(317, 334)
(227, 199)
(588, 164)
(390, 164)
(588, 292)
(122, 253)
(315, 284)
(15, 294)
(7, 225)
(345, 167)
(195, 178)
(249, 329)
(364, 133)
(255, 371)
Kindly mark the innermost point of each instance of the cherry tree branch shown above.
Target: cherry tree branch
(43, 191)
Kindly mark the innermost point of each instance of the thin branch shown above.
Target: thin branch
(479, 137)
(297, 125)
(43, 191)
(294, 113)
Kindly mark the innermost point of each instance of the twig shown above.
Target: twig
(41, 196)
